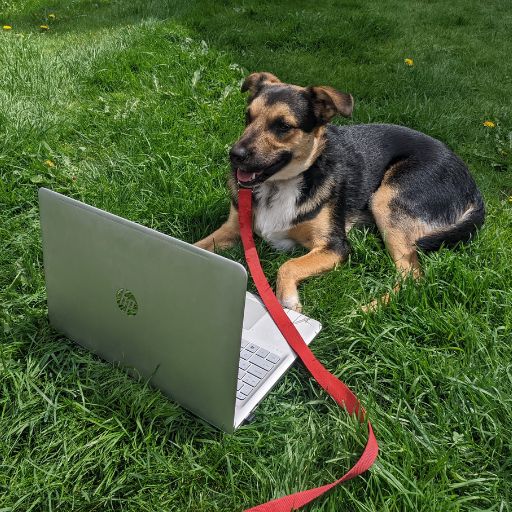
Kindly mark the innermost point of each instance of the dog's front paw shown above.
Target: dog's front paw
(291, 302)
(205, 243)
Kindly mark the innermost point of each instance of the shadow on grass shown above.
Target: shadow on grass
(305, 42)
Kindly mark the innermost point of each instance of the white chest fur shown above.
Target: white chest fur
(276, 210)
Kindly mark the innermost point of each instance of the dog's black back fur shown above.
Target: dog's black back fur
(433, 184)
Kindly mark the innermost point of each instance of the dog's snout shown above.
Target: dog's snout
(238, 154)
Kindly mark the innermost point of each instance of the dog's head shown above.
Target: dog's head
(284, 128)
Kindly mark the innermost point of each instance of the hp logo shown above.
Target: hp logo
(127, 302)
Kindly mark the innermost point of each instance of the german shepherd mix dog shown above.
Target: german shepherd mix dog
(313, 181)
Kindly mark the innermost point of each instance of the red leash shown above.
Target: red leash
(337, 389)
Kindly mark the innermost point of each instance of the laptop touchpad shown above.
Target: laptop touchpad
(254, 310)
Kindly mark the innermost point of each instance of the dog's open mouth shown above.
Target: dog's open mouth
(247, 178)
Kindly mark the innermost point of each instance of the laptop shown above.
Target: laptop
(167, 311)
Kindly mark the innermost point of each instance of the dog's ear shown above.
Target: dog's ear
(256, 81)
(328, 102)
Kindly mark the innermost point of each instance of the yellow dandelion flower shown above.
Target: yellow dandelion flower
(489, 124)
(51, 16)
(409, 62)
(510, 199)
(44, 27)
(7, 27)
(49, 163)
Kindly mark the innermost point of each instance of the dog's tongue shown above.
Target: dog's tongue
(244, 176)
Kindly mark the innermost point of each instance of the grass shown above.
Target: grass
(133, 105)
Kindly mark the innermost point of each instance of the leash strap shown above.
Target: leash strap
(337, 389)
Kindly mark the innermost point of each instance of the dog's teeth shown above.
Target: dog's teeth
(253, 176)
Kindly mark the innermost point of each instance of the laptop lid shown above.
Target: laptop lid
(146, 300)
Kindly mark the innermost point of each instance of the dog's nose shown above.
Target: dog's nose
(238, 154)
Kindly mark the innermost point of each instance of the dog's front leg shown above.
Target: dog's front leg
(294, 271)
(224, 237)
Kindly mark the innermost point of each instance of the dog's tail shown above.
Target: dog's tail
(462, 231)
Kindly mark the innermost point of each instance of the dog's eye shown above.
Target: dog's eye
(281, 127)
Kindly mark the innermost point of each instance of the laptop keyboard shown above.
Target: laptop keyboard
(255, 365)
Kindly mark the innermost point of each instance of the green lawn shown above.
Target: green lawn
(131, 106)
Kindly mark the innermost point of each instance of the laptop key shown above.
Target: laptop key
(246, 390)
(262, 363)
(239, 396)
(251, 380)
(262, 352)
(243, 343)
(245, 354)
(243, 365)
(239, 385)
(241, 373)
(252, 347)
(256, 371)
(273, 358)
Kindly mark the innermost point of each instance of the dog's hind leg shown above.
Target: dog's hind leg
(404, 254)
(291, 273)
(400, 233)
(224, 237)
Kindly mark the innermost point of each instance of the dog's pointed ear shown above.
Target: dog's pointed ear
(256, 81)
(328, 102)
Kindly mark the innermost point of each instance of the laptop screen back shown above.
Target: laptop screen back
(134, 296)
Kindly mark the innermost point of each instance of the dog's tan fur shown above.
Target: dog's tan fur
(305, 146)
(291, 273)
(312, 234)
(224, 237)
(399, 240)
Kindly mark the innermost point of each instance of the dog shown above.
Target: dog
(313, 181)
